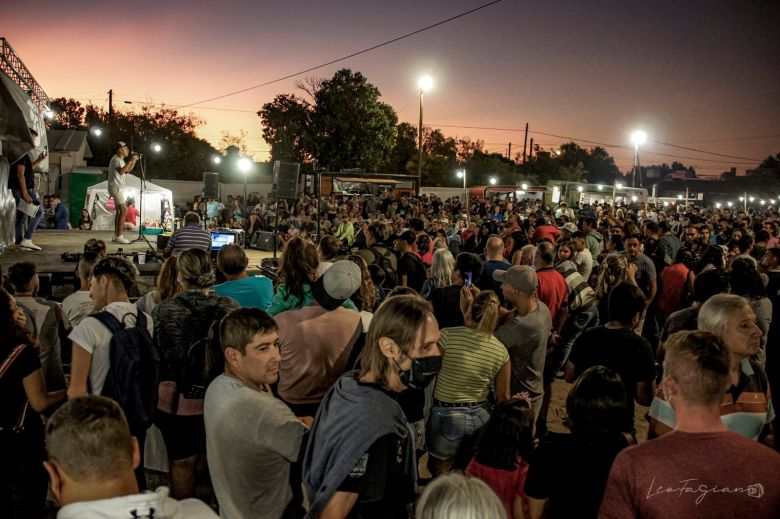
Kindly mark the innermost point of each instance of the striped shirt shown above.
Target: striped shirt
(470, 363)
(745, 409)
(581, 295)
(188, 237)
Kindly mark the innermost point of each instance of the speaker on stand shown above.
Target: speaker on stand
(211, 184)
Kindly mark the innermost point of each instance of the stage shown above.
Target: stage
(54, 242)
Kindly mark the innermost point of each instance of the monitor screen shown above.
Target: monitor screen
(220, 239)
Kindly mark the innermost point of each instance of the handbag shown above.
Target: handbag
(18, 427)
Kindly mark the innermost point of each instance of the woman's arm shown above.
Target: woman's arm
(536, 508)
(502, 381)
(35, 389)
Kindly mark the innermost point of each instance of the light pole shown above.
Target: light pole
(425, 83)
(462, 174)
(244, 164)
(615, 186)
(638, 138)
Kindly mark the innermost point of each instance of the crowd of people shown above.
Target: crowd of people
(412, 337)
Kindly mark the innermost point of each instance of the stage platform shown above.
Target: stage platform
(54, 242)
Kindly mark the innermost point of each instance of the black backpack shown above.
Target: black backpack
(385, 262)
(134, 368)
(193, 381)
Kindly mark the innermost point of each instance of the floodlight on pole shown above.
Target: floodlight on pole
(493, 181)
(216, 159)
(580, 189)
(717, 204)
(637, 138)
(48, 113)
(462, 174)
(97, 132)
(524, 186)
(752, 199)
(156, 147)
(425, 83)
(619, 185)
(244, 164)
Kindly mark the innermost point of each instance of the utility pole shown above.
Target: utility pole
(525, 141)
(110, 104)
(509, 153)
(531, 150)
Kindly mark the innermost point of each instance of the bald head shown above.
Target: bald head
(232, 261)
(494, 249)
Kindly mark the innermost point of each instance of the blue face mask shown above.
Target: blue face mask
(421, 372)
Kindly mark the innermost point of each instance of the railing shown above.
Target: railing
(14, 68)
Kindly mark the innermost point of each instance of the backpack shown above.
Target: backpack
(386, 263)
(134, 369)
(193, 379)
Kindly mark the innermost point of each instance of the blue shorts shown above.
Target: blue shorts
(448, 426)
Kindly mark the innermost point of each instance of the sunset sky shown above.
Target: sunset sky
(699, 74)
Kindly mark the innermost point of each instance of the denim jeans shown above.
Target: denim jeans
(578, 322)
(26, 225)
(448, 426)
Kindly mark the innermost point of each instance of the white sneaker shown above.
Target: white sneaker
(28, 244)
(120, 239)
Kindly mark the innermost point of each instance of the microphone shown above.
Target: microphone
(136, 153)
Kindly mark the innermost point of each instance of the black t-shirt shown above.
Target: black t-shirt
(413, 268)
(446, 306)
(571, 471)
(379, 478)
(29, 178)
(622, 351)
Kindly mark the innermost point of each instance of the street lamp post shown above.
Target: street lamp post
(462, 174)
(638, 138)
(244, 164)
(425, 83)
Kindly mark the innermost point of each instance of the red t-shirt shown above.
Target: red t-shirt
(504, 483)
(548, 232)
(553, 292)
(132, 214)
(718, 474)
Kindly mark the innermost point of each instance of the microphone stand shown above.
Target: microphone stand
(141, 235)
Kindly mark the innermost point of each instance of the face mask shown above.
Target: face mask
(421, 373)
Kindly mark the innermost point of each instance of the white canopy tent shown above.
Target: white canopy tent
(101, 206)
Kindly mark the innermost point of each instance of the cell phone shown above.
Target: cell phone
(468, 279)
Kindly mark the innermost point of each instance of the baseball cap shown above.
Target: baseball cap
(121, 144)
(569, 226)
(336, 285)
(520, 277)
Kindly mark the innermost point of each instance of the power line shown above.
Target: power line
(702, 151)
(369, 49)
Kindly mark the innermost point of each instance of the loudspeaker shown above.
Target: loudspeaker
(211, 184)
(286, 179)
(262, 240)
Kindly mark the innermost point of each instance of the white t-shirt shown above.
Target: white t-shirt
(584, 262)
(155, 504)
(76, 307)
(94, 337)
(114, 177)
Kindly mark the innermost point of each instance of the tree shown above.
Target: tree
(286, 121)
(239, 141)
(68, 113)
(600, 167)
(184, 156)
(405, 149)
(350, 126)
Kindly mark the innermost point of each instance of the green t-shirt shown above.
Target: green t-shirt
(470, 363)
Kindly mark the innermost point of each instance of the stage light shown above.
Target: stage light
(216, 159)
(244, 164)
(524, 186)
(493, 181)
(580, 189)
(156, 147)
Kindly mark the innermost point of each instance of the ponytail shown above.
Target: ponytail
(484, 311)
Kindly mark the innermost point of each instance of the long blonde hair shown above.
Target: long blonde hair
(613, 271)
(484, 311)
(368, 291)
(441, 268)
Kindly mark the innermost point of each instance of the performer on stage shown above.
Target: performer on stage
(21, 182)
(117, 169)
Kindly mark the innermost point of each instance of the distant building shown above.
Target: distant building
(68, 150)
